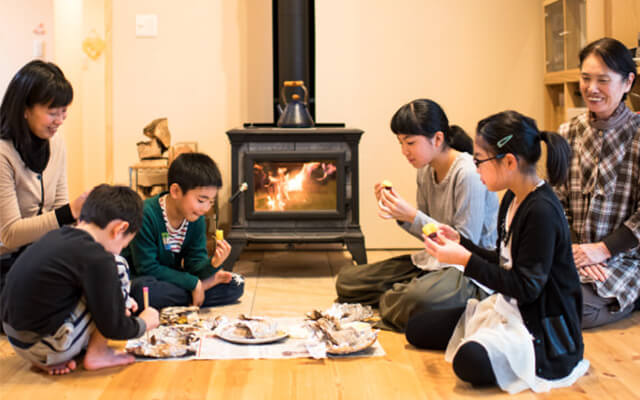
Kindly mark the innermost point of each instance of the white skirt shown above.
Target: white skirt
(497, 325)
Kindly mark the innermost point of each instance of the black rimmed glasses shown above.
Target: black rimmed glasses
(477, 161)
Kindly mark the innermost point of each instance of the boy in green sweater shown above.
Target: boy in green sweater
(169, 254)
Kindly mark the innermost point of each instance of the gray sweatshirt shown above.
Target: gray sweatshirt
(460, 200)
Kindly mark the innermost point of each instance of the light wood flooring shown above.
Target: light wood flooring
(290, 283)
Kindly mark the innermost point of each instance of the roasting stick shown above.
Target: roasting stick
(145, 295)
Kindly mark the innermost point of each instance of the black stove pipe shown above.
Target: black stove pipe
(293, 49)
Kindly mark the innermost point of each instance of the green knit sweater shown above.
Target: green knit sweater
(148, 255)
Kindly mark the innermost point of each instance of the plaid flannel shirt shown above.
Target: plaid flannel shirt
(602, 192)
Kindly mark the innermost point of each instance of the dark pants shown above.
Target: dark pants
(401, 289)
(165, 294)
(6, 262)
(596, 310)
(432, 330)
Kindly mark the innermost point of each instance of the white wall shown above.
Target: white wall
(209, 70)
(18, 19)
(474, 58)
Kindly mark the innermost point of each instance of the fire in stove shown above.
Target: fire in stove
(295, 186)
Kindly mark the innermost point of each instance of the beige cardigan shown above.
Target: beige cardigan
(20, 195)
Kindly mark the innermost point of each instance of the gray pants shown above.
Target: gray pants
(66, 343)
(400, 289)
(596, 310)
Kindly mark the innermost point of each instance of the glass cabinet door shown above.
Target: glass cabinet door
(576, 33)
(554, 36)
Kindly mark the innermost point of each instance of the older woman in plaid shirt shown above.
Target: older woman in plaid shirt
(602, 194)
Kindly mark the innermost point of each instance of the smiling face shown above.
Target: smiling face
(44, 121)
(419, 150)
(601, 87)
(195, 202)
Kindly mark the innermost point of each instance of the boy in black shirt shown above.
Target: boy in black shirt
(63, 292)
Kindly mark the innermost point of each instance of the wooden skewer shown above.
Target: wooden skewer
(145, 295)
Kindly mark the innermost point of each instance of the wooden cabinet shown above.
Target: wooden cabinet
(565, 23)
(569, 25)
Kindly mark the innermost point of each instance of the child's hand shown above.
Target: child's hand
(134, 305)
(197, 295)
(222, 276)
(151, 317)
(223, 248)
(379, 187)
(449, 233)
(446, 250)
(396, 206)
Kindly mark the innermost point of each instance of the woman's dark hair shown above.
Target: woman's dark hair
(425, 117)
(511, 132)
(40, 83)
(194, 170)
(615, 55)
(107, 203)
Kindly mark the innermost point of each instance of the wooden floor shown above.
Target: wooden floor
(290, 283)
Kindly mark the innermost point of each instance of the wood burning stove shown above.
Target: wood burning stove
(302, 187)
(302, 182)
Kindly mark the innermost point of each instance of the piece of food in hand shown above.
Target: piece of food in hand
(430, 230)
(386, 184)
(219, 234)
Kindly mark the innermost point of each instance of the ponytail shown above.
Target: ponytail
(458, 139)
(558, 157)
(512, 132)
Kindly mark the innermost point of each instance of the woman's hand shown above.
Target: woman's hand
(589, 254)
(76, 205)
(392, 204)
(596, 272)
(223, 248)
(446, 250)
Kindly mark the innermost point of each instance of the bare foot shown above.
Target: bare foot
(222, 276)
(58, 369)
(104, 357)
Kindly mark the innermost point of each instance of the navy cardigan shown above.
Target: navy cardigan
(543, 279)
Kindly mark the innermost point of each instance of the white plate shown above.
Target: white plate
(240, 340)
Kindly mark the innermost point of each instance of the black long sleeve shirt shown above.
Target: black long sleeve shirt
(49, 278)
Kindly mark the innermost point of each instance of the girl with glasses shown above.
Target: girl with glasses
(527, 334)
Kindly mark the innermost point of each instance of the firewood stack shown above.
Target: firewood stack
(151, 170)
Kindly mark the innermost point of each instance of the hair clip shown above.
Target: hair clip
(503, 141)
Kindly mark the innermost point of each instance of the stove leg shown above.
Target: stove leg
(236, 248)
(357, 250)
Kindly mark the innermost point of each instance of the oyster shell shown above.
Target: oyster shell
(179, 315)
(345, 339)
(344, 312)
(167, 341)
(249, 328)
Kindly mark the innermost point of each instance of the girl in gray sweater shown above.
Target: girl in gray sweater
(450, 192)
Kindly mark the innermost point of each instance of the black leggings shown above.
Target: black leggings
(433, 329)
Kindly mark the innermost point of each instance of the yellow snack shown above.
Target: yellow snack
(219, 234)
(431, 230)
(387, 184)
